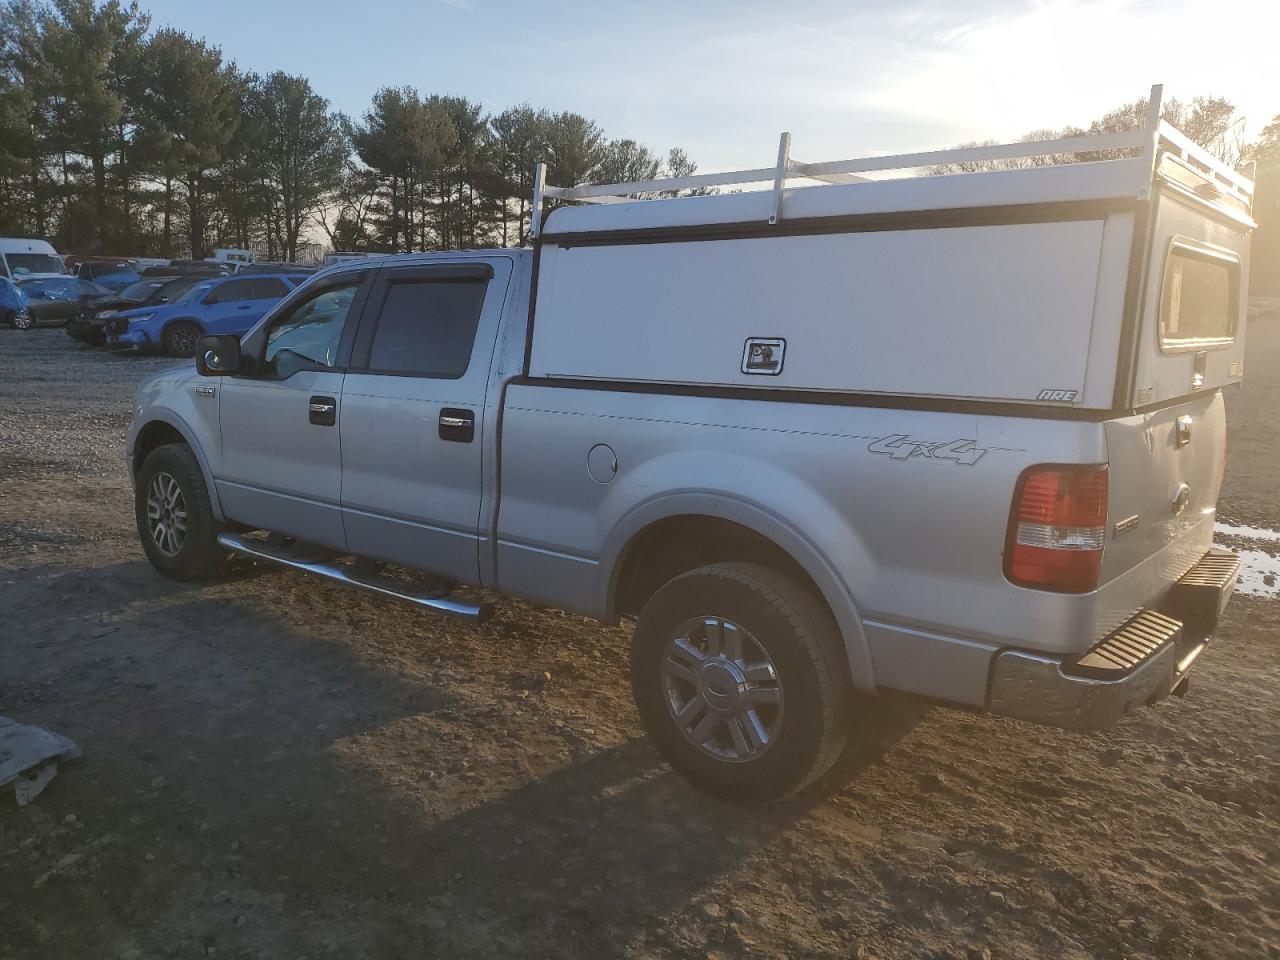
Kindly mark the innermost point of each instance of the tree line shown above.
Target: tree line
(1212, 122)
(117, 138)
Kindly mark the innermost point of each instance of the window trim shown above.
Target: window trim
(1199, 250)
(254, 343)
(468, 272)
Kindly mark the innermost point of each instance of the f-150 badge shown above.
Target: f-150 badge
(899, 446)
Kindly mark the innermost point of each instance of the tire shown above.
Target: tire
(21, 321)
(767, 612)
(192, 553)
(180, 338)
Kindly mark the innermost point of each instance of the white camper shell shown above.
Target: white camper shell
(1109, 284)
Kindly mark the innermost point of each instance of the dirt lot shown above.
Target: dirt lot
(278, 768)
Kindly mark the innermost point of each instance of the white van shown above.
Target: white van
(21, 257)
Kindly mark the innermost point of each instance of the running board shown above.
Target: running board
(476, 613)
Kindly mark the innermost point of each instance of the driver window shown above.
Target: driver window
(306, 338)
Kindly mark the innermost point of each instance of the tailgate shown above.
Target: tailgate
(1165, 472)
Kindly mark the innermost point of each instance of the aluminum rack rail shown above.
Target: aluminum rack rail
(1149, 142)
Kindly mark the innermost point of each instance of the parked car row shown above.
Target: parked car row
(172, 325)
(153, 315)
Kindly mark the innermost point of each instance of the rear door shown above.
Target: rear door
(413, 402)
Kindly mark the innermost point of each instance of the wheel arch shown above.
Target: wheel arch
(164, 428)
(646, 548)
(194, 321)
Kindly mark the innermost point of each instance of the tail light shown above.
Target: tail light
(1057, 528)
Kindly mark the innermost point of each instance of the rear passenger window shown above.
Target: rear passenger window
(1198, 300)
(232, 292)
(269, 288)
(427, 327)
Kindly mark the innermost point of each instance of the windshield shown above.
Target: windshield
(140, 290)
(22, 264)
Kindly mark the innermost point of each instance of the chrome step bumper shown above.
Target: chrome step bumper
(1142, 662)
(476, 613)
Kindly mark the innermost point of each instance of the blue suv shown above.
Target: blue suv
(220, 305)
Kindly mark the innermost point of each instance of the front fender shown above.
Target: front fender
(200, 434)
(760, 519)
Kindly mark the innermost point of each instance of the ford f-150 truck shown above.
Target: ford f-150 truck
(955, 436)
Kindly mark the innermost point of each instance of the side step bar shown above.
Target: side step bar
(475, 613)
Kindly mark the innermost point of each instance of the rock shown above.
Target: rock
(69, 819)
(934, 782)
(129, 953)
(712, 910)
(222, 896)
(69, 861)
(996, 897)
(738, 915)
(157, 783)
(42, 880)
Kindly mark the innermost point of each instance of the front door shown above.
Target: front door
(281, 468)
(413, 431)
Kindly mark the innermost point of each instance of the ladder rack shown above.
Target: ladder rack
(1148, 142)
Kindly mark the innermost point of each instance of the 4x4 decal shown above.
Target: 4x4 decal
(899, 446)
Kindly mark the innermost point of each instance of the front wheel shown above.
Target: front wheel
(180, 339)
(175, 519)
(22, 320)
(738, 675)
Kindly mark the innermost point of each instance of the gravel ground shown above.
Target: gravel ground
(277, 768)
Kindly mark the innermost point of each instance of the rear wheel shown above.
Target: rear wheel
(738, 675)
(174, 516)
(180, 338)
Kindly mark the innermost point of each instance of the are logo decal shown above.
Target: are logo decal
(1048, 394)
(899, 446)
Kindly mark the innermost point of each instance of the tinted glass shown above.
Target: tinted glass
(195, 293)
(306, 338)
(427, 327)
(234, 291)
(140, 290)
(1198, 300)
(269, 288)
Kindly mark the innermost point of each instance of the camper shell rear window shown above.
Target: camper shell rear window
(1199, 298)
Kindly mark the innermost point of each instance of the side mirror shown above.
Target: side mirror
(218, 356)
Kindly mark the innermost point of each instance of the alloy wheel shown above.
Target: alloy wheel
(166, 514)
(722, 689)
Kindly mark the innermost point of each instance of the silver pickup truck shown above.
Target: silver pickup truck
(953, 436)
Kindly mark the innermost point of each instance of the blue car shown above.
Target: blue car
(221, 305)
(13, 306)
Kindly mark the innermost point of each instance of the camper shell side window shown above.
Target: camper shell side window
(1199, 298)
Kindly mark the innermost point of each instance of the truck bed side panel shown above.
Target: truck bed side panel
(910, 506)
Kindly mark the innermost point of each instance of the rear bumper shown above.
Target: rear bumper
(1142, 662)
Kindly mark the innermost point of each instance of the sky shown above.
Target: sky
(722, 78)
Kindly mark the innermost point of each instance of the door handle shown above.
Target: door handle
(323, 411)
(457, 424)
(245, 307)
